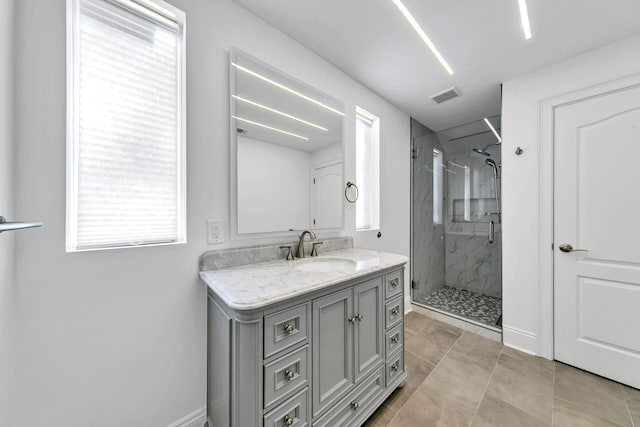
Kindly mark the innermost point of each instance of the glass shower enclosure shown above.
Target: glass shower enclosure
(456, 222)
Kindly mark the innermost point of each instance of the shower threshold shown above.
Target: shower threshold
(481, 310)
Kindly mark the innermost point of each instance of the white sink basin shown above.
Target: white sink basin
(325, 265)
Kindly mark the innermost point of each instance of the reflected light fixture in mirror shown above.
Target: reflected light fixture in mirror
(286, 152)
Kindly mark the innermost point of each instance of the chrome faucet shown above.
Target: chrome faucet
(312, 236)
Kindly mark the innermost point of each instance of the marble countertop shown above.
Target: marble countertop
(254, 286)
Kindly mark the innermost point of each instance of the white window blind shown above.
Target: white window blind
(126, 142)
(438, 184)
(367, 171)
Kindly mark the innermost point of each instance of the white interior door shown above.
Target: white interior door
(326, 196)
(597, 208)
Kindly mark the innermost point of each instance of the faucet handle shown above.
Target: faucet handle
(289, 252)
(314, 249)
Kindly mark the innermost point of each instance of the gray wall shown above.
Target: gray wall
(7, 285)
(428, 244)
(118, 337)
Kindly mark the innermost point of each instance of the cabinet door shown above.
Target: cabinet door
(332, 343)
(369, 334)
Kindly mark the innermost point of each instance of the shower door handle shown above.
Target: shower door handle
(491, 231)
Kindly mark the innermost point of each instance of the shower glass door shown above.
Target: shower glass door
(456, 223)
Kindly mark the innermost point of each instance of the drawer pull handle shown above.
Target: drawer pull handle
(289, 374)
(288, 421)
(355, 405)
(394, 367)
(394, 283)
(395, 311)
(289, 329)
(395, 339)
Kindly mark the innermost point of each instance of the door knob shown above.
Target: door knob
(566, 247)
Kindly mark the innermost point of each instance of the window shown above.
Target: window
(126, 124)
(367, 170)
(438, 172)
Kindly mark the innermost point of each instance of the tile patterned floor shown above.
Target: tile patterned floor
(457, 378)
(478, 307)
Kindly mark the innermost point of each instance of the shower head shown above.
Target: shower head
(483, 150)
(493, 166)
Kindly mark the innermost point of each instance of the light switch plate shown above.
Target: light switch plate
(215, 231)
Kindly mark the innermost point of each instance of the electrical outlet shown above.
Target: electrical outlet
(215, 231)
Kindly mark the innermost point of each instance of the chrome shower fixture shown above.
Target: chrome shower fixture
(483, 150)
(493, 166)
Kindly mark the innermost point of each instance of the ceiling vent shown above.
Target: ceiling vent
(448, 94)
(240, 131)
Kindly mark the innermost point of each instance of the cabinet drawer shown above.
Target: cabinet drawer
(394, 340)
(285, 329)
(393, 283)
(296, 409)
(285, 375)
(393, 312)
(347, 410)
(394, 367)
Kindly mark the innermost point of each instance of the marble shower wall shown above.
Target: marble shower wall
(471, 262)
(428, 242)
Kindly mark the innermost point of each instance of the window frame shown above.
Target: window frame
(167, 11)
(375, 158)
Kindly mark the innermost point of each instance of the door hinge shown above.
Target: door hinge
(314, 180)
(314, 222)
(552, 246)
(414, 284)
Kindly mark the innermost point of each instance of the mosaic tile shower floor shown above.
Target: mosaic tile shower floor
(461, 302)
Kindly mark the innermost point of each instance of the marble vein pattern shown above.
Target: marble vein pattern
(255, 286)
(428, 237)
(232, 257)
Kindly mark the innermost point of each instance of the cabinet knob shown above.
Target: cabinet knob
(289, 328)
(289, 374)
(395, 339)
(395, 311)
(288, 421)
(359, 317)
(394, 283)
(353, 319)
(355, 406)
(395, 367)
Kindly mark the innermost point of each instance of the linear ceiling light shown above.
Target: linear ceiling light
(422, 34)
(270, 128)
(273, 110)
(524, 16)
(492, 129)
(285, 88)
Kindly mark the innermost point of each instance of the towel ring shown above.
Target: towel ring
(346, 196)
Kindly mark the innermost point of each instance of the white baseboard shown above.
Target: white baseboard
(195, 419)
(520, 340)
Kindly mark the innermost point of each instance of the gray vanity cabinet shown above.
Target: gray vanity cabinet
(368, 331)
(347, 340)
(326, 358)
(332, 353)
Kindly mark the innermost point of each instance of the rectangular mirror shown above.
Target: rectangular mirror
(286, 151)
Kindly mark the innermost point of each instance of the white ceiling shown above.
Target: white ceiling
(482, 40)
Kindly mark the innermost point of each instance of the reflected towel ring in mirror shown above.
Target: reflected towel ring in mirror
(346, 190)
